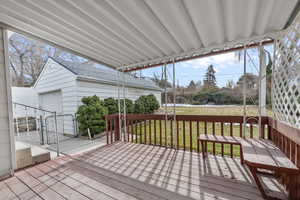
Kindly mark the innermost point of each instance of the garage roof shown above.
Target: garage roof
(88, 72)
(141, 33)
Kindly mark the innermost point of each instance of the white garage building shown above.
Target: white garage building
(61, 86)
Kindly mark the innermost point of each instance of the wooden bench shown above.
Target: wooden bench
(204, 138)
(256, 154)
(263, 154)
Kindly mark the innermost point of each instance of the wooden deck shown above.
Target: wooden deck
(135, 171)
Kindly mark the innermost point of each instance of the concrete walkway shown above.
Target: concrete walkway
(67, 145)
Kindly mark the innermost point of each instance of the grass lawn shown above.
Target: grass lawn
(215, 110)
(191, 139)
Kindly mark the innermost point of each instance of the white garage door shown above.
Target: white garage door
(51, 101)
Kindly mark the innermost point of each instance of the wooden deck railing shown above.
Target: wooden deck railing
(183, 132)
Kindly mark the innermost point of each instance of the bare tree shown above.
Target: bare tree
(160, 81)
(27, 58)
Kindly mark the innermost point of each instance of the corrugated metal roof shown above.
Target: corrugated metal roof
(88, 72)
(144, 32)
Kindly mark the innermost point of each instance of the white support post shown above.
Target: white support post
(165, 90)
(124, 106)
(7, 147)
(262, 87)
(119, 105)
(244, 93)
(166, 107)
(174, 104)
(263, 82)
(272, 78)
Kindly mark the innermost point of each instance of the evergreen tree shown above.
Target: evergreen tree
(230, 84)
(192, 85)
(210, 77)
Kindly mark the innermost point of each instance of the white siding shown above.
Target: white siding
(57, 78)
(105, 91)
(6, 140)
(23, 95)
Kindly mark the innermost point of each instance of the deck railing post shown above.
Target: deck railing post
(107, 130)
(117, 128)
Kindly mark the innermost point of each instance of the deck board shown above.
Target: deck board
(134, 171)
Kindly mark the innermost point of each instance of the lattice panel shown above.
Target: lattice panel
(286, 76)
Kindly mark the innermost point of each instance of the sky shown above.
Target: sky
(227, 67)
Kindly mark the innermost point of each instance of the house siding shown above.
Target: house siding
(53, 78)
(105, 91)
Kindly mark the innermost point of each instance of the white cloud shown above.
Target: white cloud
(223, 61)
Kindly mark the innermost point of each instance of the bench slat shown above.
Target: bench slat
(220, 139)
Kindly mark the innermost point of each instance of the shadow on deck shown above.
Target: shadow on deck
(135, 171)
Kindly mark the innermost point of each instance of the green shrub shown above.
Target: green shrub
(201, 98)
(113, 108)
(129, 105)
(146, 104)
(112, 105)
(140, 105)
(91, 115)
(152, 103)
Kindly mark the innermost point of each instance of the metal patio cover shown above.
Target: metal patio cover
(139, 33)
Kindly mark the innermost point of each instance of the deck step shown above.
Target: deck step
(23, 155)
(27, 155)
(39, 155)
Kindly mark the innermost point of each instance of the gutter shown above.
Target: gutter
(94, 80)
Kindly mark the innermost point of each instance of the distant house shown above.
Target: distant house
(61, 86)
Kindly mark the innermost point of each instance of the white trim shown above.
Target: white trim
(42, 72)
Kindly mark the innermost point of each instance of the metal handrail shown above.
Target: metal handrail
(44, 110)
(20, 104)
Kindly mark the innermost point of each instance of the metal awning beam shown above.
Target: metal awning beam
(201, 56)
